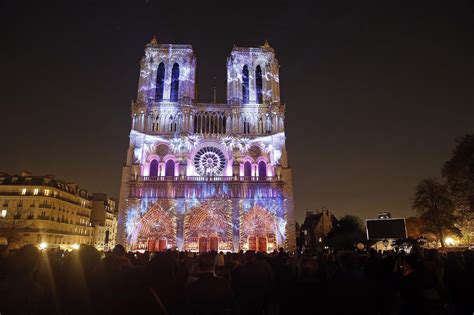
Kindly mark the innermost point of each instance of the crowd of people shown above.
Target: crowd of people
(86, 281)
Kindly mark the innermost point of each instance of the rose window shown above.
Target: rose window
(209, 161)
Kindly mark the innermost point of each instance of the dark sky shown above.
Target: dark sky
(376, 93)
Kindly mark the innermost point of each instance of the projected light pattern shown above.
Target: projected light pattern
(263, 217)
(209, 161)
(208, 219)
(258, 223)
(207, 175)
(169, 55)
(253, 60)
(204, 190)
(153, 222)
(185, 223)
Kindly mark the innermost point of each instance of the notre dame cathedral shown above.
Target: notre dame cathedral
(207, 176)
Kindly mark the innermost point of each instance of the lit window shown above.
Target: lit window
(35, 192)
(46, 192)
(4, 213)
(23, 191)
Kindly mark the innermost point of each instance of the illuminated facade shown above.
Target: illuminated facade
(44, 210)
(207, 176)
(104, 220)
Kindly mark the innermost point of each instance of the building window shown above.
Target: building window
(262, 170)
(245, 85)
(4, 213)
(154, 168)
(174, 83)
(169, 169)
(35, 191)
(247, 169)
(156, 124)
(268, 125)
(23, 191)
(246, 126)
(173, 124)
(258, 84)
(160, 80)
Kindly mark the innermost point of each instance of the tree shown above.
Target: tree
(12, 227)
(433, 203)
(459, 173)
(348, 231)
(416, 227)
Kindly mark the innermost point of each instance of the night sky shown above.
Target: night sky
(375, 94)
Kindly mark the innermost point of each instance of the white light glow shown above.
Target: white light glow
(449, 241)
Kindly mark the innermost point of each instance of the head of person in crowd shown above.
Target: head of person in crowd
(249, 256)
(219, 261)
(25, 261)
(411, 263)
(161, 268)
(307, 268)
(86, 258)
(348, 261)
(206, 263)
(119, 250)
(259, 256)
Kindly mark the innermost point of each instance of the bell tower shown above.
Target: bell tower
(167, 73)
(252, 76)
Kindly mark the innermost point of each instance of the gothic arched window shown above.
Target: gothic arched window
(171, 123)
(156, 123)
(174, 83)
(154, 168)
(268, 125)
(160, 83)
(246, 126)
(258, 84)
(169, 168)
(262, 170)
(260, 125)
(245, 85)
(247, 169)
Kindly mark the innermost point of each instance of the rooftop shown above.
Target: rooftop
(26, 179)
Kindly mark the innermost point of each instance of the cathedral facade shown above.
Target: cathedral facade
(207, 176)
